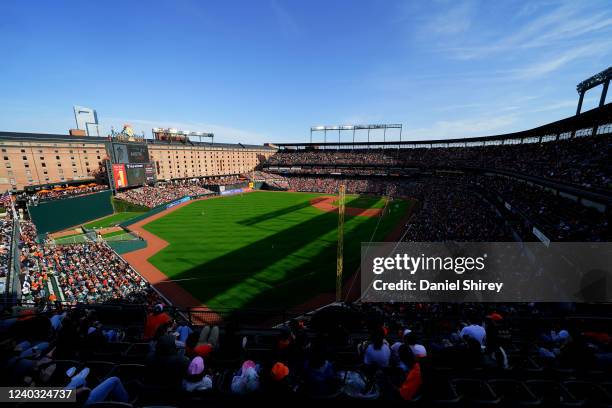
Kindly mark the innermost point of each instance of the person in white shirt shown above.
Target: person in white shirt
(378, 352)
(409, 339)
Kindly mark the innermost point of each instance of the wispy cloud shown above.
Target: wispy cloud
(285, 20)
(453, 20)
(557, 62)
(567, 22)
(478, 126)
(564, 105)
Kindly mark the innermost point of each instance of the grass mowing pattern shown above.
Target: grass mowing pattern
(113, 219)
(261, 250)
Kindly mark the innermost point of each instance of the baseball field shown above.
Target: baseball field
(266, 249)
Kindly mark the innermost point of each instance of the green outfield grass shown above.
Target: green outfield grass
(71, 239)
(363, 201)
(263, 249)
(114, 234)
(113, 219)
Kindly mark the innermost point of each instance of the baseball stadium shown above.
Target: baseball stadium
(183, 269)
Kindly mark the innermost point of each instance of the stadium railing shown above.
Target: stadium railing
(119, 312)
(13, 278)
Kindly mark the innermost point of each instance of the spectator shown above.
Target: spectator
(166, 367)
(154, 320)
(411, 385)
(377, 352)
(196, 379)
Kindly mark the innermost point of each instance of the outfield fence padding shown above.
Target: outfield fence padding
(58, 215)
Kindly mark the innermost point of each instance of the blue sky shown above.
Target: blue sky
(259, 71)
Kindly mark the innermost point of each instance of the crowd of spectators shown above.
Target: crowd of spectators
(451, 211)
(326, 157)
(582, 161)
(330, 185)
(6, 234)
(388, 352)
(91, 273)
(88, 272)
(220, 181)
(152, 196)
(560, 218)
(59, 193)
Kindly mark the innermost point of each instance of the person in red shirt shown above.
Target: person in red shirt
(154, 320)
(413, 381)
(202, 344)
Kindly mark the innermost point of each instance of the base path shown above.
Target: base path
(326, 204)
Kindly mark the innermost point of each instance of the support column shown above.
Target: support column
(384, 137)
(400, 143)
(604, 92)
(580, 103)
(324, 139)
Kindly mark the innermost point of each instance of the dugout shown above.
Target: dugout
(57, 215)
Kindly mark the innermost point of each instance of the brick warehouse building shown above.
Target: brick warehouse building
(31, 159)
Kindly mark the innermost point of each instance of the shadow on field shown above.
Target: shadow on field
(240, 276)
(274, 214)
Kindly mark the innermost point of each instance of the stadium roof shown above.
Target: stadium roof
(48, 137)
(595, 117)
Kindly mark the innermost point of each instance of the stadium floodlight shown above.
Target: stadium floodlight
(595, 80)
(172, 133)
(602, 78)
(341, 128)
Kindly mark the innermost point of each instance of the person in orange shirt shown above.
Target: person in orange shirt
(413, 380)
(154, 320)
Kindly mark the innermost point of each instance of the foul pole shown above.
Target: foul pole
(340, 253)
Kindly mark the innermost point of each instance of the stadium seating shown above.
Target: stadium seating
(452, 375)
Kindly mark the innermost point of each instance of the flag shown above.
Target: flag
(5, 199)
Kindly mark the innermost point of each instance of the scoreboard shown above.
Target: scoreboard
(130, 153)
(131, 165)
(133, 174)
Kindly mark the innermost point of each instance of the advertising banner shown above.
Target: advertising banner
(120, 176)
(230, 192)
(149, 173)
(177, 202)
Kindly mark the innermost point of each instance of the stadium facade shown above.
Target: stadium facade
(35, 159)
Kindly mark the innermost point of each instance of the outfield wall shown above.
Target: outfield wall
(158, 209)
(57, 215)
